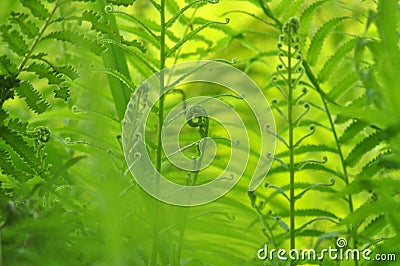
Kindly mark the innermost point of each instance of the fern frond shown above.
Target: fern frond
(120, 76)
(332, 63)
(18, 126)
(29, 28)
(352, 131)
(121, 2)
(303, 185)
(6, 164)
(44, 71)
(312, 212)
(342, 86)
(14, 40)
(7, 67)
(24, 151)
(305, 19)
(62, 92)
(98, 24)
(37, 8)
(368, 209)
(192, 33)
(309, 148)
(374, 227)
(68, 71)
(136, 44)
(76, 39)
(317, 40)
(149, 62)
(179, 13)
(135, 20)
(309, 233)
(32, 97)
(365, 146)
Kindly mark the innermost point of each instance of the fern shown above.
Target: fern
(37, 8)
(318, 39)
(15, 41)
(32, 97)
(27, 153)
(28, 187)
(27, 27)
(330, 101)
(332, 63)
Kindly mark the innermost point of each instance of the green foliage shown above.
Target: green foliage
(63, 176)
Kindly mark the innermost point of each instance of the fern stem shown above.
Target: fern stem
(153, 260)
(349, 199)
(291, 147)
(38, 37)
(315, 83)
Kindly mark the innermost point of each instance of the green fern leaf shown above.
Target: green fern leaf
(33, 98)
(27, 27)
(121, 2)
(312, 212)
(8, 168)
(318, 39)
(24, 151)
(7, 67)
(364, 147)
(136, 44)
(306, 18)
(15, 41)
(310, 166)
(343, 86)
(346, 113)
(193, 33)
(37, 8)
(309, 148)
(62, 93)
(332, 63)
(292, 9)
(309, 233)
(121, 77)
(179, 13)
(319, 167)
(370, 169)
(374, 227)
(352, 131)
(98, 24)
(223, 27)
(6, 165)
(68, 71)
(45, 71)
(368, 209)
(39, 55)
(76, 39)
(18, 126)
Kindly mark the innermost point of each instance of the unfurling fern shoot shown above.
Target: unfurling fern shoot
(289, 73)
(289, 49)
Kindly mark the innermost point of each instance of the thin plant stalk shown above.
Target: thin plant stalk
(153, 259)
